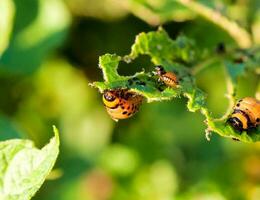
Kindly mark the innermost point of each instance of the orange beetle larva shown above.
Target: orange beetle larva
(169, 78)
(121, 103)
(246, 114)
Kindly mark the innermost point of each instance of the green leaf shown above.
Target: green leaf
(196, 99)
(234, 71)
(6, 23)
(110, 64)
(164, 51)
(176, 56)
(23, 168)
(160, 47)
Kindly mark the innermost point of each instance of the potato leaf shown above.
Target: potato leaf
(159, 47)
(176, 56)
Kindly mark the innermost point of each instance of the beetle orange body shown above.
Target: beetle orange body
(246, 114)
(121, 103)
(168, 78)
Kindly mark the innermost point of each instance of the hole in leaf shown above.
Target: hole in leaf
(137, 65)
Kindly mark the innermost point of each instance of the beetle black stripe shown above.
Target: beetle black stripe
(249, 123)
(111, 107)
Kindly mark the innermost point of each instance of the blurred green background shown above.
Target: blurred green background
(159, 154)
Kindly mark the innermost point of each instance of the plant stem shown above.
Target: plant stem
(240, 35)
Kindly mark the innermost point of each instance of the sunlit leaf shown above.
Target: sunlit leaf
(23, 167)
(176, 56)
(160, 48)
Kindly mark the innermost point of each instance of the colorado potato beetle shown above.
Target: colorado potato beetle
(121, 103)
(168, 78)
(246, 114)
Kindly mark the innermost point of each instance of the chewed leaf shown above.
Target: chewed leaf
(23, 168)
(156, 44)
(162, 50)
(161, 47)
(148, 87)
(175, 56)
(196, 99)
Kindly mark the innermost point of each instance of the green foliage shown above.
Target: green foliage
(176, 56)
(46, 64)
(23, 168)
(159, 47)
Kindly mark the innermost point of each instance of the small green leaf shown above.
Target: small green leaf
(109, 64)
(23, 168)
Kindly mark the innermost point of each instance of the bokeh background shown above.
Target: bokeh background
(159, 154)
